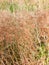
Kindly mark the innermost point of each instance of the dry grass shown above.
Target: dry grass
(24, 34)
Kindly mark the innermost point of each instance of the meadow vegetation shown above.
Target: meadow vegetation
(24, 33)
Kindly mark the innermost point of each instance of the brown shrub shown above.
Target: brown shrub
(18, 36)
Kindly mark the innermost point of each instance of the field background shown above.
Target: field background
(29, 5)
(24, 32)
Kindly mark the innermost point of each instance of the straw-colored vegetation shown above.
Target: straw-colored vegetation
(24, 32)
